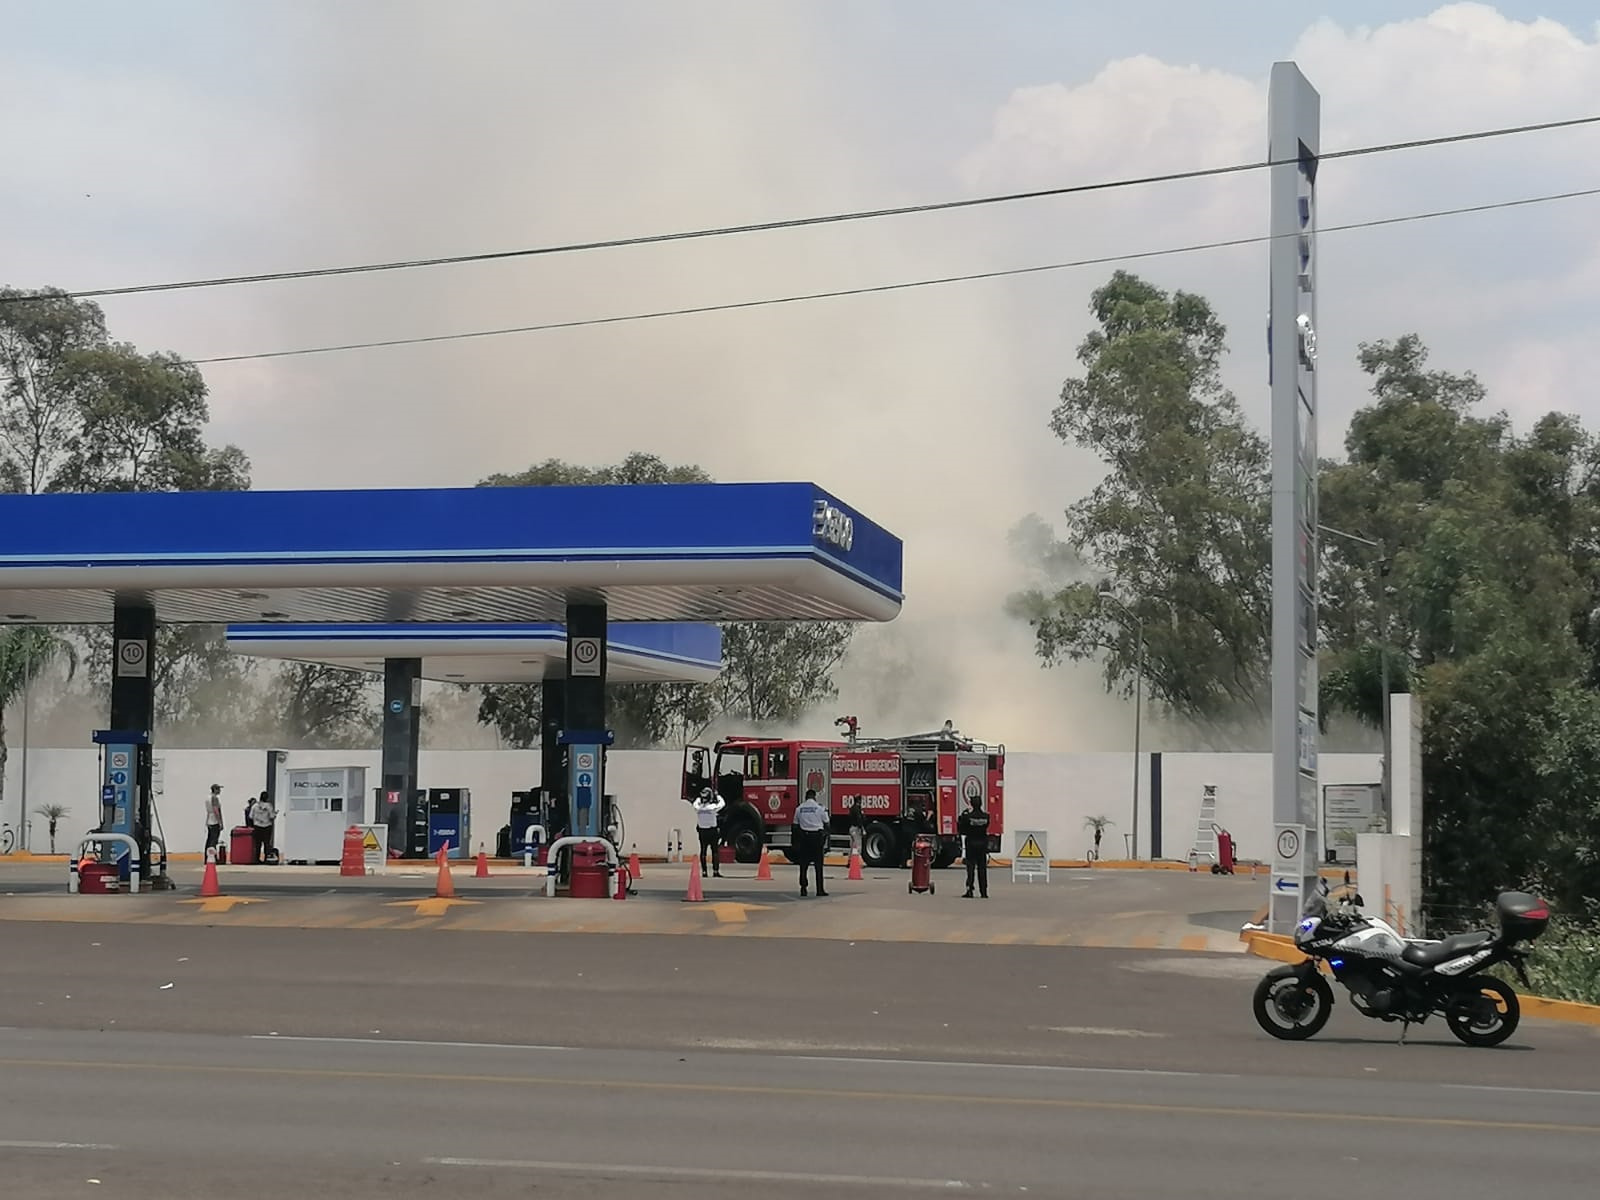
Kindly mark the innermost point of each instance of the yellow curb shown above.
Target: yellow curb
(1561, 1010)
(1281, 949)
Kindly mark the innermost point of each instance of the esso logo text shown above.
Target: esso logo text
(833, 525)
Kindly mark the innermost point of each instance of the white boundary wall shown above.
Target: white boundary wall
(1054, 792)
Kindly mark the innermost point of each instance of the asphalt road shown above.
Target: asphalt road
(719, 1067)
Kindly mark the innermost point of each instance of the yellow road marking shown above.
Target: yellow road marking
(731, 912)
(219, 904)
(433, 906)
(876, 1097)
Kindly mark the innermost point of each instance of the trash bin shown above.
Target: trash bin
(589, 871)
(241, 845)
(98, 879)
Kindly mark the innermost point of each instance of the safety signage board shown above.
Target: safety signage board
(133, 660)
(1285, 897)
(374, 847)
(585, 656)
(1032, 859)
(158, 776)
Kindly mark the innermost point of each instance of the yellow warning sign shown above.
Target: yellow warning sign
(370, 842)
(1032, 859)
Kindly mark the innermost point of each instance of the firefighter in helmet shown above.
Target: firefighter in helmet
(708, 808)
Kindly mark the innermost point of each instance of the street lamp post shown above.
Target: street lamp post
(1106, 592)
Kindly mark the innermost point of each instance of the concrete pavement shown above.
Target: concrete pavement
(231, 1063)
(1144, 910)
(247, 1117)
(1018, 1004)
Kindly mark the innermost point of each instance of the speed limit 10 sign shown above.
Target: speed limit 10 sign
(585, 656)
(133, 659)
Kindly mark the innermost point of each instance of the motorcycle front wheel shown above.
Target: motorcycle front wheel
(1290, 1008)
(1485, 1012)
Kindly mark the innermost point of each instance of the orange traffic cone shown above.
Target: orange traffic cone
(446, 888)
(696, 895)
(483, 865)
(209, 884)
(353, 855)
(633, 863)
(855, 866)
(764, 871)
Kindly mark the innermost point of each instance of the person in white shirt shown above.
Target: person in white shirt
(263, 816)
(214, 817)
(708, 808)
(811, 838)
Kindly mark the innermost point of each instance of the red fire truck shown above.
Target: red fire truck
(906, 786)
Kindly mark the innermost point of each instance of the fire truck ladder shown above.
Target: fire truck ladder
(1205, 837)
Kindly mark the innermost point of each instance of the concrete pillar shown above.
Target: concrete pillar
(133, 701)
(402, 690)
(133, 680)
(584, 730)
(552, 705)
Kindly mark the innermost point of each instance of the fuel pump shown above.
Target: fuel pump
(125, 770)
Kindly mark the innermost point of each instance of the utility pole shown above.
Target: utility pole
(1107, 592)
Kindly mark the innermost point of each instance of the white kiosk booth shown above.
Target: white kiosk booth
(319, 805)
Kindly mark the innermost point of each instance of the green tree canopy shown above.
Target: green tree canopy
(1480, 593)
(1180, 520)
(773, 672)
(80, 412)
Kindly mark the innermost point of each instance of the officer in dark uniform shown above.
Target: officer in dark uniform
(973, 826)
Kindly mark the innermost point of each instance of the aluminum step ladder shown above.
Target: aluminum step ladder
(1205, 837)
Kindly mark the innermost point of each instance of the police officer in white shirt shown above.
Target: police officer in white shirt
(811, 838)
(708, 808)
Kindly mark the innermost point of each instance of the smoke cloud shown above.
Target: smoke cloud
(292, 135)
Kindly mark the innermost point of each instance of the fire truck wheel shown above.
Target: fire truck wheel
(742, 831)
(880, 845)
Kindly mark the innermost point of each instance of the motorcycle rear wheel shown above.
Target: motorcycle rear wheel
(1308, 1004)
(1484, 1012)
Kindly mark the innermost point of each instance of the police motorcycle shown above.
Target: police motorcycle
(1394, 978)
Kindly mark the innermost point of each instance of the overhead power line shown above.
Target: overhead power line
(904, 285)
(828, 219)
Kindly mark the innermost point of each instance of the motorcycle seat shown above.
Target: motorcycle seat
(1431, 954)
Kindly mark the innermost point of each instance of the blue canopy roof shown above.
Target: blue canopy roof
(662, 552)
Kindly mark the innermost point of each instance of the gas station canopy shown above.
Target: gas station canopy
(667, 552)
(647, 652)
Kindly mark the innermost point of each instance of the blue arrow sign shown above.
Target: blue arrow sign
(1286, 885)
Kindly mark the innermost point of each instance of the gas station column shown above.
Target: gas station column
(125, 762)
(585, 734)
(402, 691)
(553, 719)
(133, 681)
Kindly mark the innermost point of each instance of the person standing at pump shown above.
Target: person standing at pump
(262, 818)
(973, 827)
(214, 817)
(811, 838)
(858, 826)
(708, 808)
